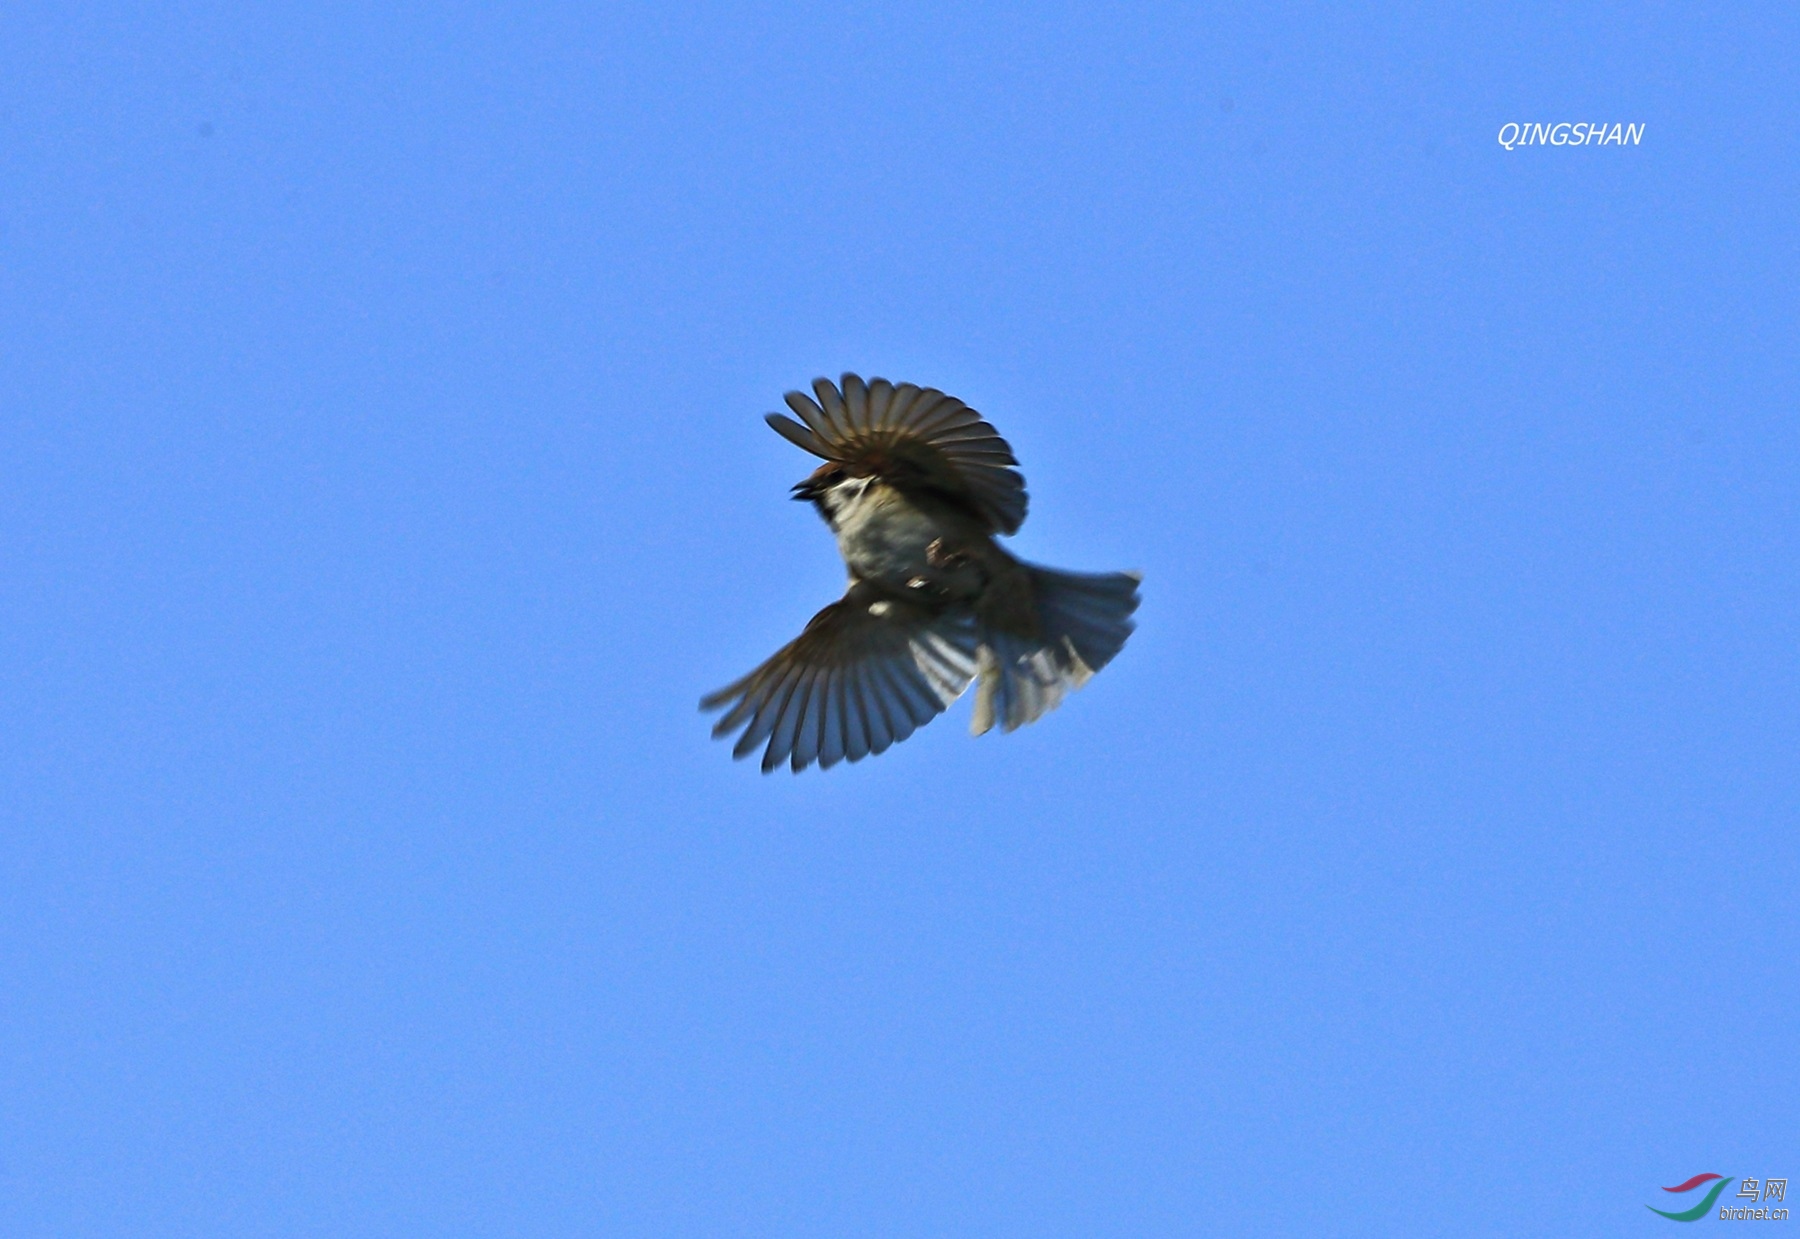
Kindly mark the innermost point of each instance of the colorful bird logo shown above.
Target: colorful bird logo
(1700, 1210)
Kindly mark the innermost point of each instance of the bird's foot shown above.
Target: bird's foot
(940, 556)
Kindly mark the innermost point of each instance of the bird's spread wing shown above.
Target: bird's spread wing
(868, 671)
(910, 435)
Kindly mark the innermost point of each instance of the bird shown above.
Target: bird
(916, 486)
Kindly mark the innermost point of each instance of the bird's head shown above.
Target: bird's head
(830, 488)
(813, 488)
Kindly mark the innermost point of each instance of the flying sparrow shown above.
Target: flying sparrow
(915, 485)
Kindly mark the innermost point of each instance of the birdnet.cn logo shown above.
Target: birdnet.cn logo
(1748, 1205)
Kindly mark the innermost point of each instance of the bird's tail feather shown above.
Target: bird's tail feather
(1083, 620)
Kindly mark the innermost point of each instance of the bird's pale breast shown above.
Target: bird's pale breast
(884, 536)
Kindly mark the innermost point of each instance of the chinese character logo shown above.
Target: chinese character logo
(1699, 1210)
(1770, 1189)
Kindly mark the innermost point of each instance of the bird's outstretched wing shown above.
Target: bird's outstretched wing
(910, 435)
(868, 671)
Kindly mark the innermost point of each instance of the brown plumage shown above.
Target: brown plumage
(916, 485)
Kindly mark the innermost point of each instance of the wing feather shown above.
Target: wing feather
(813, 416)
(837, 736)
(897, 703)
(807, 729)
(833, 404)
(787, 723)
(797, 434)
(769, 709)
(856, 405)
(904, 396)
(878, 720)
(858, 679)
(949, 416)
(856, 716)
(830, 747)
(916, 698)
(914, 436)
(881, 395)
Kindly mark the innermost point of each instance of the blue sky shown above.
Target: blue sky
(382, 482)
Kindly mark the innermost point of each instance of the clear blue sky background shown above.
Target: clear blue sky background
(382, 482)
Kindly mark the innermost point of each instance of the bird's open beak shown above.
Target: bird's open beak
(816, 484)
